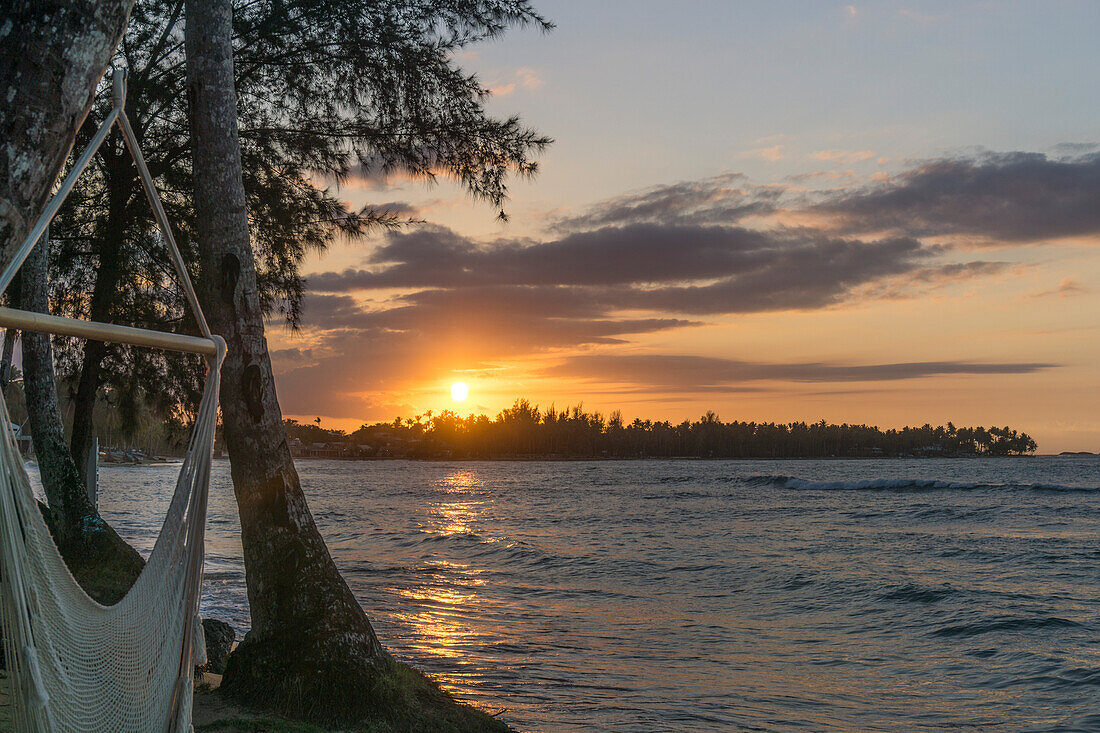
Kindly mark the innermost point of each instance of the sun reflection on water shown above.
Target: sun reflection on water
(461, 481)
(456, 515)
(444, 610)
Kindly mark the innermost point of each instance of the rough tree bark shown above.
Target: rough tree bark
(311, 651)
(10, 335)
(52, 54)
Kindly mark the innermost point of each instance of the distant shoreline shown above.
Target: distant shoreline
(589, 459)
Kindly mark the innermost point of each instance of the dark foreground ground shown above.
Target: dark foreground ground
(212, 713)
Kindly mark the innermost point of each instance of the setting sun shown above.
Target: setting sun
(459, 391)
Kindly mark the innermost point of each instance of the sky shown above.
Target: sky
(872, 212)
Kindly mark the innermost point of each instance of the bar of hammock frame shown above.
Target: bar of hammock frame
(59, 325)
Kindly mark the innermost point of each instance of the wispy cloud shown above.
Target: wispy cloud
(1067, 288)
(923, 18)
(722, 200)
(680, 373)
(522, 78)
(771, 153)
(843, 156)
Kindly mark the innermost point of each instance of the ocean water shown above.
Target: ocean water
(893, 595)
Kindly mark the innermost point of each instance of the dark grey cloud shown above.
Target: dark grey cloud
(814, 273)
(1003, 197)
(499, 320)
(639, 253)
(924, 280)
(672, 244)
(397, 208)
(679, 373)
(684, 269)
(1075, 150)
(955, 271)
(722, 200)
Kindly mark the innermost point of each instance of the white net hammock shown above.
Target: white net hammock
(73, 664)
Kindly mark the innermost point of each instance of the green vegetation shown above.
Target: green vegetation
(256, 725)
(524, 430)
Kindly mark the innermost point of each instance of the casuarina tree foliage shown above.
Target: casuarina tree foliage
(326, 89)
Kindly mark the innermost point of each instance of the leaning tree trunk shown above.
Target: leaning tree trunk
(311, 651)
(67, 498)
(52, 54)
(104, 565)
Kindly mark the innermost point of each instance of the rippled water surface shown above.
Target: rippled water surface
(709, 595)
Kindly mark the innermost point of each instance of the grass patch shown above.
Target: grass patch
(256, 725)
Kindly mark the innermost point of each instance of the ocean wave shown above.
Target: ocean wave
(899, 484)
(1058, 487)
(912, 593)
(475, 546)
(1005, 624)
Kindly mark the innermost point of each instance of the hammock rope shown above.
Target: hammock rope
(74, 664)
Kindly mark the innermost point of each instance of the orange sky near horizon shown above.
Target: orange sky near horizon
(1055, 407)
(890, 258)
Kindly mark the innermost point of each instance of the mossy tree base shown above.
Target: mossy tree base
(100, 561)
(336, 681)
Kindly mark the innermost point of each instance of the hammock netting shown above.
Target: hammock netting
(75, 665)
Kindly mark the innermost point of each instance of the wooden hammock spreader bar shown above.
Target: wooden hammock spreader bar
(61, 326)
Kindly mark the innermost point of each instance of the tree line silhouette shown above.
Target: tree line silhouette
(523, 430)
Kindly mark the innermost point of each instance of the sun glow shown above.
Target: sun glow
(460, 391)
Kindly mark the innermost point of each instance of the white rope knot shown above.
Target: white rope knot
(37, 696)
(198, 642)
